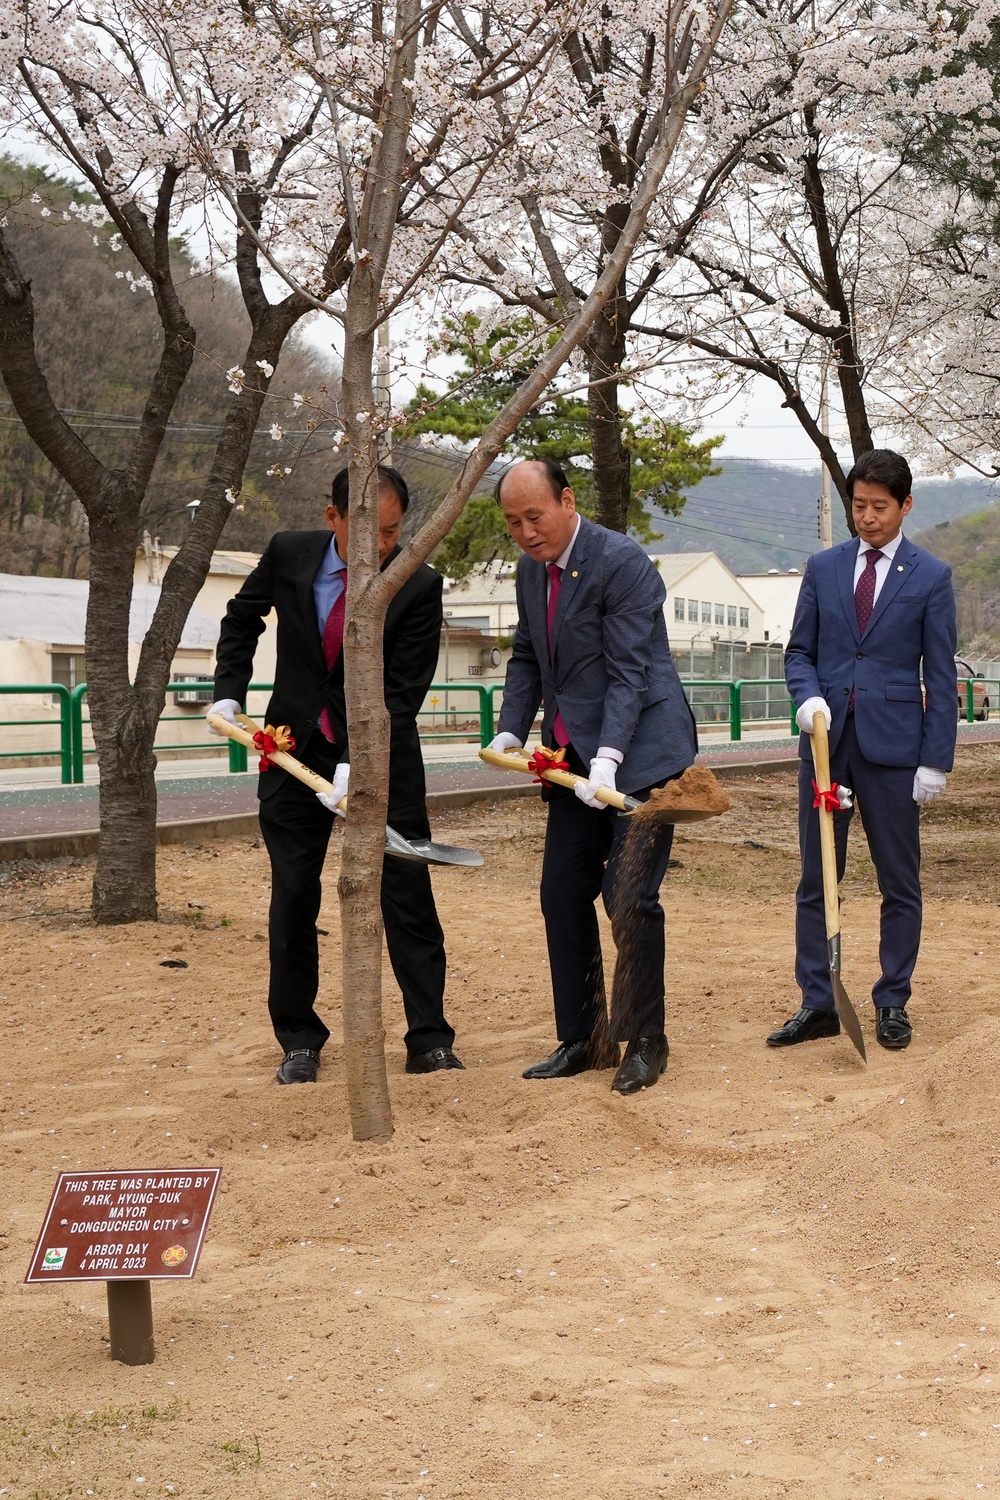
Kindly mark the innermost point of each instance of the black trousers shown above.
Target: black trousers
(586, 856)
(296, 830)
(891, 821)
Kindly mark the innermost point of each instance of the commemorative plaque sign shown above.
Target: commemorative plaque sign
(126, 1228)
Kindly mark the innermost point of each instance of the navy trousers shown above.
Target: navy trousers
(583, 859)
(891, 822)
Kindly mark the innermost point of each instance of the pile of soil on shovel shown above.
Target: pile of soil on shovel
(696, 793)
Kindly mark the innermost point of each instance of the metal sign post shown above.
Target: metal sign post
(127, 1229)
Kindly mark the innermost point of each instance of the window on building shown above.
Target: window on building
(745, 619)
(730, 614)
(720, 614)
(693, 610)
(706, 613)
(678, 609)
(69, 668)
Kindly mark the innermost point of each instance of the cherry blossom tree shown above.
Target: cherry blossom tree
(336, 155)
(434, 115)
(814, 263)
(128, 99)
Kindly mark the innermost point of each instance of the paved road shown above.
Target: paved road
(38, 809)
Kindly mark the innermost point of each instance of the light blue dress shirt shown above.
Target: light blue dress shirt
(329, 583)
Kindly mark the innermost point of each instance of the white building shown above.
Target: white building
(777, 594)
(42, 633)
(226, 576)
(706, 603)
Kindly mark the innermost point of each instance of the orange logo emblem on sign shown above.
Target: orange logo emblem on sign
(174, 1255)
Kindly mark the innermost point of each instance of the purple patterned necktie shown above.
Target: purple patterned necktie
(864, 594)
(864, 602)
(555, 584)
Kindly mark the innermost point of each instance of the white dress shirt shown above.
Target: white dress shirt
(562, 561)
(883, 565)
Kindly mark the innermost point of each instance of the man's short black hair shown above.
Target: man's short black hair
(882, 466)
(388, 479)
(555, 475)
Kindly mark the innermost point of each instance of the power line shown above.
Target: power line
(754, 540)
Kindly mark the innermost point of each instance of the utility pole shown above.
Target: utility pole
(825, 507)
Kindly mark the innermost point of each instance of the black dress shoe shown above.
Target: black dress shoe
(299, 1066)
(566, 1061)
(645, 1059)
(805, 1026)
(892, 1027)
(432, 1062)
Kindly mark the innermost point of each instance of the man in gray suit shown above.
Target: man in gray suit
(591, 643)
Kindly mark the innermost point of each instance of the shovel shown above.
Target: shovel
(419, 851)
(519, 761)
(831, 899)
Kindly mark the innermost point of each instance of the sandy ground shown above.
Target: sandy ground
(774, 1274)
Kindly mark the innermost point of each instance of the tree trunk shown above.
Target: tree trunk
(612, 461)
(125, 882)
(360, 881)
(850, 371)
(605, 352)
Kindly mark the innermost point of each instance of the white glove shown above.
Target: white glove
(341, 780)
(928, 783)
(602, 773)
(226, 708)
(812, 706)
(503, 743)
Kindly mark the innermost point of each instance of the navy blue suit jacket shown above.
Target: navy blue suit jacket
(611, 674)
(898, 723)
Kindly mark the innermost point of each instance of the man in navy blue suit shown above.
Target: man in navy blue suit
(873, 614)
(591, 643)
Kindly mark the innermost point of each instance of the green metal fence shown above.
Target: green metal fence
(62, 724)
(237, 753)
(973, 706)
(714, 700)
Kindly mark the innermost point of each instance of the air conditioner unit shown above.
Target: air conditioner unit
(193, 698)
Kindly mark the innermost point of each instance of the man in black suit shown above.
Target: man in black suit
(591, 644)
(302, 575)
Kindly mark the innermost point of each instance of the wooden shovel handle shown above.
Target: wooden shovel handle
(828, 848)
(569, 779)
(244, 732)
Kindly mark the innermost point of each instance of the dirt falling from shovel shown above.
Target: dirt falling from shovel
(694, 795)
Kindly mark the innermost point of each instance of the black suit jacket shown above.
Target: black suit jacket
(283, 580)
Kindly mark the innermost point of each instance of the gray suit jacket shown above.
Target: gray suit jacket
(611, 674)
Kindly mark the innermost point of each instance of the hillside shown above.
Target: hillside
(971, 544)
(758, 515)
(81, 293)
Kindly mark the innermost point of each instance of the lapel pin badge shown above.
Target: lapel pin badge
(574, 574)
(899, 567)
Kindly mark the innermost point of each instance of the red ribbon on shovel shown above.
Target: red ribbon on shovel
(269, 739)
(545, 760)
(829, 801)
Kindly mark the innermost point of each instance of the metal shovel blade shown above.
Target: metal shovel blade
(426, 852)
(845, 1010)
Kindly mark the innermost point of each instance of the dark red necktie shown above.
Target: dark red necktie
(555, 584)
(864, 602)
(864, 594)
(333, 644)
